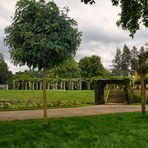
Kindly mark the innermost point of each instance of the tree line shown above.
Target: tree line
(122, 62)
(87, 67)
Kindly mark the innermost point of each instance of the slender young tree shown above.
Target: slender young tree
(141, 66)
(134, 53)
(41, 36)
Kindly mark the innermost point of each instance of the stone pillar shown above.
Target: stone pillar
(32, 85)
(88, 84)
(25, 85)
(64, 85)
(36, 85)
(72, 85)
(80, 85)
(13, 85)
(48, 85)
(7, 87)
(40, 85)
(61, 85)
(56, 85)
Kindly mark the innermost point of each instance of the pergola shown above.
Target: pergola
(75, 84)
(55, 84)
(101, 84)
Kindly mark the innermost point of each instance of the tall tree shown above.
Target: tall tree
(92, 67)
(126, 61)
(41, 36)
(134, 53)
(117, 63)
(141, 66)
(133, 14)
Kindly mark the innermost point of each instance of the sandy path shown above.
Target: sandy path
(67, 112)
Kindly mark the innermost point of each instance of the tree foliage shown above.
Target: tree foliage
(122, 61)
(92, 67)
(133, 14)
(5, 74)
(117, 63)
(22, 75)
(88, 1)
(126, 61)
(68, 69)
(134, 53)
(141, 64)
(41, 35)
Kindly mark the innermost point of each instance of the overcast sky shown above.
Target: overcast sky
(97, 22)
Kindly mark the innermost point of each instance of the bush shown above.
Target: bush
(19, 105)
(136, 99)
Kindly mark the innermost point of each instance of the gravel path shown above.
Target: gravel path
(67, 112)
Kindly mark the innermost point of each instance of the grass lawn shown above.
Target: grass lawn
(124, 130)
(53, 95)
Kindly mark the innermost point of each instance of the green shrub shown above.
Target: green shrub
(136, 99)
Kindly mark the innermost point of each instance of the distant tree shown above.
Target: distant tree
(117, 63)
(5, 74)
(41, 36)
(22, 75)
(68, 69)
(35, 73)
(133, 14)
(126, 61)
(134, 53)
(92, 67)
(1, 57)
(141, 66)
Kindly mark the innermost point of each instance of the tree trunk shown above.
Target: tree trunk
(44, 94)
(142, 94)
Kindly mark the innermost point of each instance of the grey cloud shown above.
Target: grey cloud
(98, 34)
(101, 36)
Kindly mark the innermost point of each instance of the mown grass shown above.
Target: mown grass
(124, 130)
(53, 95)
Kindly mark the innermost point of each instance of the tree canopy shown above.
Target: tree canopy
(133, 14)
(122, 62)
(41, 35)
(68, 69)
(92, 67)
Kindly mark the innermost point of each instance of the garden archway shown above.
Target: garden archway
(100, 88)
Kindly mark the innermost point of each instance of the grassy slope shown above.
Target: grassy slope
(69, 95)
(126, 130)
